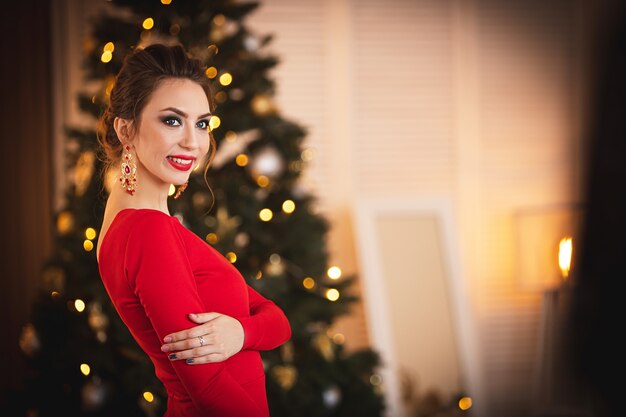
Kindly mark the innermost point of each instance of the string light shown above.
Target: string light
(241, 160)
(148, 23)
(148, 396)
(289, 206)
(109, 46)
(334, 272)
(266, 215)
(465, 403)
(214, 122)
(332, 294)
(263, 181)
(106, 56)
(339, 338)
(308, 283)
(85, 369)
(172, 190)
(90, 233)
(307, 155)
(226, 79)
(79, 305)
(258, 275)
(166, 2)
(376, 380)
(88, 245)
(232, 257)
(211, 72)
(212, 238)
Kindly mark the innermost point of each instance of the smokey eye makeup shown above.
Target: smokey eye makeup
(172, 120)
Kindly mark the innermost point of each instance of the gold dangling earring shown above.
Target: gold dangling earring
(128, 177)
(180, 190)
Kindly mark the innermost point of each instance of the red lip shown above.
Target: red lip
(181, 167)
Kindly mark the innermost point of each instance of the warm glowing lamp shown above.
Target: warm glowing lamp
(565, 256)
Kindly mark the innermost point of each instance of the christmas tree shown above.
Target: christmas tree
(81, 357)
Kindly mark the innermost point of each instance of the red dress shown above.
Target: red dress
(156, 272)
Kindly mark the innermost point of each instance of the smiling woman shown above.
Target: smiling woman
(159, 274)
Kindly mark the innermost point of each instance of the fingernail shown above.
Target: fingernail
(172, 356)
(190, 360)
(192, 315)
(167, 339)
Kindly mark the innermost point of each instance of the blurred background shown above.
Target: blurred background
(468, 155)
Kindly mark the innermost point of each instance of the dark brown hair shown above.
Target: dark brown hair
(142, 72)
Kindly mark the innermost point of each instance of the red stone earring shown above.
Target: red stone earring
(128, 177)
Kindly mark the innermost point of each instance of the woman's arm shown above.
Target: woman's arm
(266, 328)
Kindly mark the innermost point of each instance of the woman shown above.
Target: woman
(157, 272)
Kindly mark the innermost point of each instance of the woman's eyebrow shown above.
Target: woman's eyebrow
(175, 110)
(183, 114)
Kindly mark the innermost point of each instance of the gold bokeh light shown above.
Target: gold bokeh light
(308, 283)
(266, 214)
(85, 369)
(334, 272)
(226, 78)
(289, 206)
(148, 23)
(79, 305)
(332, 294)
(90, 233)
(241, 160)
(211, 72)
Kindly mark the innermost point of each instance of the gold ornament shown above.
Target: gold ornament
(266, 162)
(98, 321)
(331, 396)
(94, 394)
(29, 340)
(225, 223)
(65, 222)
(286, 352)
(54, 278)
(262, 105)
(285, 375)
(324, 346)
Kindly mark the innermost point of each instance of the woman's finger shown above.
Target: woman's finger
(191, 343)
(203, 317)
(210, 358)
(194, 331)
(195, 352)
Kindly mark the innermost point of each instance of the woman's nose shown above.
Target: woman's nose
(189, 139)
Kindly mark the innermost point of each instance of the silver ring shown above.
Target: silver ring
(201, 341)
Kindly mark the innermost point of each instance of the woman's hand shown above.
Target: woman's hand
(215, 339)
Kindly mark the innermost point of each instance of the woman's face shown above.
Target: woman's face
(172, 135)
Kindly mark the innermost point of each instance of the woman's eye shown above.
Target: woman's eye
(172, 121)
(203, 124)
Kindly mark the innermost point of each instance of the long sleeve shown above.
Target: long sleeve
(267, 327)
(159, 271)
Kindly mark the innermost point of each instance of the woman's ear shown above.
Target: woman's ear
(123, 129)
